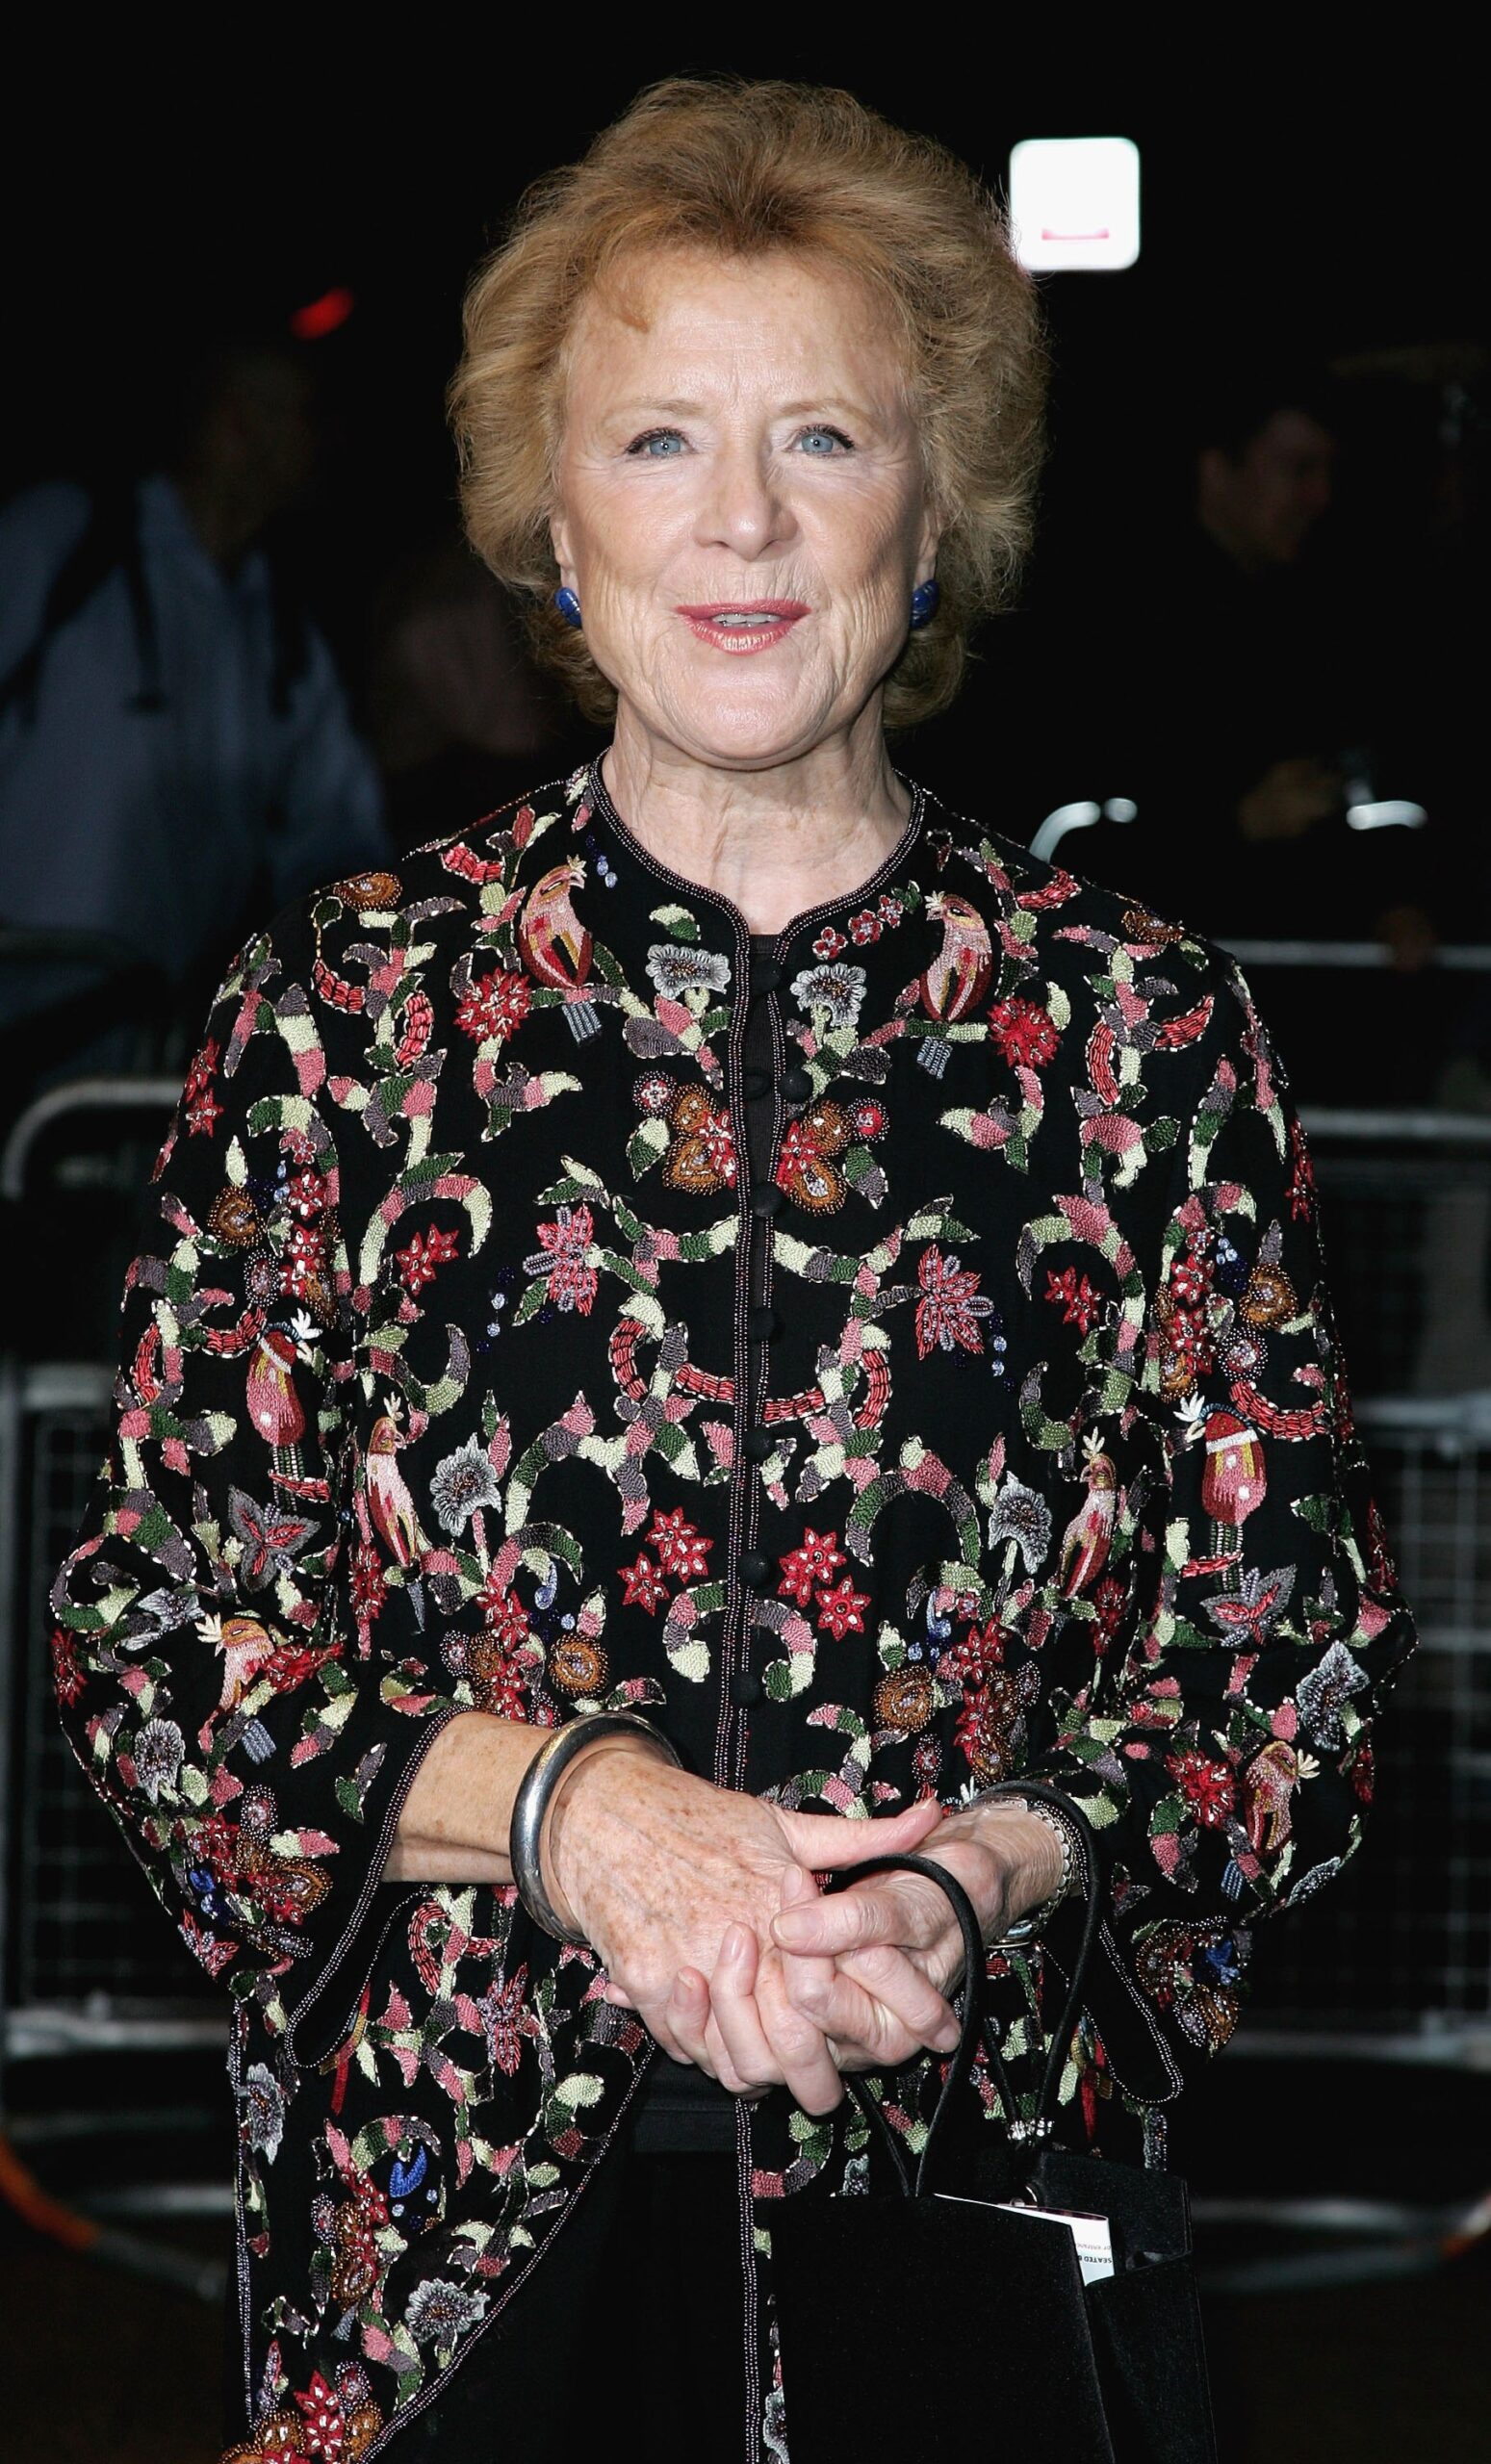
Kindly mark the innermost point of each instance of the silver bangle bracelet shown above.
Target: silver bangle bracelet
(1028, 1927)
(535, 1794)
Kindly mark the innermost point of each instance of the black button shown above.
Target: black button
(765, 975)
(765, 1198)
(755, 1084)
(753, 1569)
(762, 1326)
(746, 1690)
(796, 1085)
(757, 1444)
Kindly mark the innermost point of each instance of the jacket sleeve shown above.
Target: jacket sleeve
(1223, 1750)
(211, 1673)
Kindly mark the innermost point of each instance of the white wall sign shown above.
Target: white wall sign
(1074, 203)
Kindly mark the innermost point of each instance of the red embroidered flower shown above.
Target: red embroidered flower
(829, 944)
(680, 1548)
(503, 1613)
(305, 1259)
(1191, 1279)
(496, 1006)
(864, 928)
(427, 1250)
(1208, 1788)
(816, 1560)
(500, 1679)
(67, 1676)
(561, 1250)
(305, 1193)
(971, 1661)
(325, 2430)
(950, 1307)
(200, 1105)
(1024, 1032)
(867, 1118)
(645, 1585)
(890, 907)
(841, 1610)
(1110, 1600)
(1074, 1297)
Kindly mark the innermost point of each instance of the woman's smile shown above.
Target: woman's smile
(741, 625)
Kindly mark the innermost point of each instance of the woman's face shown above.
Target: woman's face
(740, 502)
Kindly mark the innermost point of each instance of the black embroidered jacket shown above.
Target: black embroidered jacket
(997, 1427)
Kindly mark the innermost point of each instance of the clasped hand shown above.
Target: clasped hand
(703, 1904)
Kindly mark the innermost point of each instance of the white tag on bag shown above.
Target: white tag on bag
(1091, 2234)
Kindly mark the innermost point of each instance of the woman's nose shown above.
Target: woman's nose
(745, 506)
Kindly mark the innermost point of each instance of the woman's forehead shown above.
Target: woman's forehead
(776, 309)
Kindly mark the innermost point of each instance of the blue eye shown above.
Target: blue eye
(659, 444)
(822, 443)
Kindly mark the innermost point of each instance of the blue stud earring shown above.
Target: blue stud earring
(925, 600)
(568, 604)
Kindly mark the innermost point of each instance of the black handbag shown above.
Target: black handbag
(914, 2326)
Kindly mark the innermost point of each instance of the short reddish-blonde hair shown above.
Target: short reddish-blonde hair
(743, 168)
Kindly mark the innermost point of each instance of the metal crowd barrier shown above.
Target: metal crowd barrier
(87, 1967)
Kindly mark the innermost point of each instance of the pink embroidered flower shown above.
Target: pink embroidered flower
(950, 1307)
(829, 944)
(561, 1256)
(841, 1609)
(494, 1007)
(816, 1560)
(1074, 1297)
(1208, 1788)
(1025, 1033)
(367, 1584)
(681, 1549)
(645, 1586)
(427, 1250)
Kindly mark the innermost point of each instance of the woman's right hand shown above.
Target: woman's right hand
(656, 1867)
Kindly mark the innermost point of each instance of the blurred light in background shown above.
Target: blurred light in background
(322, 316)
(1074, 203)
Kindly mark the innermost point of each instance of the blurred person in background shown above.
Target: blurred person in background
(1248, 693)
(458, 715)
(175, 748)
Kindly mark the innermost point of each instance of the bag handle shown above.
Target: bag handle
(974, 2018)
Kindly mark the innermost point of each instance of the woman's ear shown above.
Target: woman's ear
(559, 542)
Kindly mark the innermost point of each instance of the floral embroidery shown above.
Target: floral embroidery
(560, 1258)
(950, 1307)
(1113, 1531)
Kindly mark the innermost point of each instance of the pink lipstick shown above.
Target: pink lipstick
(741, 625)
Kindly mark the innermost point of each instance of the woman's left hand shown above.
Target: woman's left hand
(872, 1965)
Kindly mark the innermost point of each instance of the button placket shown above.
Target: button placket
(761, 1106)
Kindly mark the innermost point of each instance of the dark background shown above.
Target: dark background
(1328, 209)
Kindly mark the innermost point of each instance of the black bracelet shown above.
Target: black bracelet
(535, 1793)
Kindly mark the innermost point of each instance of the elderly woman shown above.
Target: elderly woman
(721, 1305)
